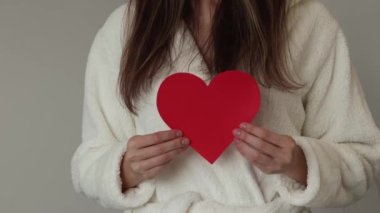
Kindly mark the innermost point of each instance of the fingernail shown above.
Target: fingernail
(243, 125)
(236, 132)
(179, 133)
(185, 141)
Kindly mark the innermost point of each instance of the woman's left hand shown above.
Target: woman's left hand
(271, 152)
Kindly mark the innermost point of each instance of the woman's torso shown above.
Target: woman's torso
(231, 181)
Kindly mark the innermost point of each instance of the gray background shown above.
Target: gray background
(43, 50)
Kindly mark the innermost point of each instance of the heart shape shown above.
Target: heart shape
(207, 114)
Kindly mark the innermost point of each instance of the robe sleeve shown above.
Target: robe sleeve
(339, 137)
(106, 126)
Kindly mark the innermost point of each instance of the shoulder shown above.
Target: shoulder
(114, 27)
(107, 45)
(313, 35)
(110, 37)
(311, 16)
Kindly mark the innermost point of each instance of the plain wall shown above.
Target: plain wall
(43, 51)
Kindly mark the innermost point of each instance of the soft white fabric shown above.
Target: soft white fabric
(329, 119)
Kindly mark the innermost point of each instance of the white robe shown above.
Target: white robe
(328, 118)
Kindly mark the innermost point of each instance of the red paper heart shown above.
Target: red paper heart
(207, 114)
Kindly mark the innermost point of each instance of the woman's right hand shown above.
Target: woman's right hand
(147, 154)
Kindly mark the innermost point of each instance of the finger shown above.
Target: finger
(262, 133)
(159, 160)
(252, 154)
(158, 149)
(259, 144)
(159, 137)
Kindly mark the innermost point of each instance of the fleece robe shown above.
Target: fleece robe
(328, 118)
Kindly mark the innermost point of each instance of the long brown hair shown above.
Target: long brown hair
(252, 31)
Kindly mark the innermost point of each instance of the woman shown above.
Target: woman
(313, 142)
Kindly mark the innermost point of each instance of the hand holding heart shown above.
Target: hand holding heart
(271, 152)
(148, 154)
(186, 102)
